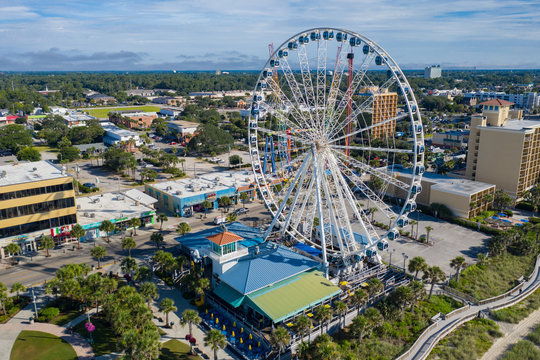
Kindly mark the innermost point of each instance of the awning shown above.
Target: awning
(228, 294)
(307, 249)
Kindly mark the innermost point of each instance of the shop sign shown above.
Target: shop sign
(211, 196)
(61, 230)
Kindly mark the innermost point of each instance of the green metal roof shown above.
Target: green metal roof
(291, 296)
(227, 293)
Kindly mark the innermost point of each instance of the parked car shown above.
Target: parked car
(89, 185)
(220, 220)
(174, 143)
(241, 211)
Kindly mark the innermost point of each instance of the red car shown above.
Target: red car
(173, 143)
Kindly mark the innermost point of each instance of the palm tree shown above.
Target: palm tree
(341, 309)
(322, 315)
(279, 339)
(206, 205)
(48, 243)
(303, 325)
(78, 232)
(458, 263)
(190, 317)
(374, 286)
(183, 228)
(17, 288)
(215, 340)
(418, 291)
(108, 227)
(180, 261)
(157, 238)
(412, 223)
(201, 285)
(128, 265)
(127, 244)
(359, 299)
(99, 252)
(167, 306)
(482, 259)
(231, 217)
(360, 326)
(149, 292)
(416, 265)
(374, 317)
(161, 218)
(13, 249)
(135, 223)
(428, 230)
(244, 197)
(433, 275)
(372, 211)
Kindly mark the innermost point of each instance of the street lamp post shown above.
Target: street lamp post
(391, 252)
(418, 211)
(405, 257)
(34, 301)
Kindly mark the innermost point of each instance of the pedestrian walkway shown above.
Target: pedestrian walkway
(179, 332)
(431, 336)
(516, 333)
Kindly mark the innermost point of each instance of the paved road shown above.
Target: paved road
(421, 349)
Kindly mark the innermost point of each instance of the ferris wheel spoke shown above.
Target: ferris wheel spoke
(369, 148)
(321, 81)
(334, 87)
(306, 198)
(364, 129)
(284, 202)
(383, 175)
(338, 126)
(358, 77)
(282, 117)
(368, 230)
(295, 108)
(336, 230)
(298, 97)
(284, 133)
(293, 204)
(307, 83)
(361, 186)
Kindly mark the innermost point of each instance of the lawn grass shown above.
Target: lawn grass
(176, 350)
(468, 342)
(520, 311)
(42, 346)
(101, 113)
(496, 277)
(534, 336)
(41, 148)
(522, 350)
(65, 317)
(104, 339)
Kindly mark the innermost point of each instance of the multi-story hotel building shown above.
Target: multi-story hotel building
(384, 107)
(36, 199)
(503, 151)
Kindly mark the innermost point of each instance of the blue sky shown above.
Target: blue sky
(225, 34)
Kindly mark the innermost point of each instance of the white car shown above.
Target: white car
(220, 220)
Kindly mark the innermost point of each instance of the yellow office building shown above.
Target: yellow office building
(503, 151)
(36, 199)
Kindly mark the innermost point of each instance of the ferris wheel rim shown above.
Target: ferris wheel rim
(414, 117)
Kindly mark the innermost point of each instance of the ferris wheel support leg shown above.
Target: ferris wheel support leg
(320, 212)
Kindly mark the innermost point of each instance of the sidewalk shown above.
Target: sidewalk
(178, 332)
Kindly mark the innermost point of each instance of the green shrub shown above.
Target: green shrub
(534, 336)
(48, 313)
(174, 171)
(522, 350)
(520, 311)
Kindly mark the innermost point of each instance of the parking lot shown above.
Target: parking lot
(448, 241)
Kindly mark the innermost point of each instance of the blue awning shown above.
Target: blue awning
(506, 221)
(502, 214)
(307, 249)
(525, 220)
(495, 217)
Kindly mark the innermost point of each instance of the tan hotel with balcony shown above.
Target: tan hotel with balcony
(503, 151)
(384, 107)
(36, 199)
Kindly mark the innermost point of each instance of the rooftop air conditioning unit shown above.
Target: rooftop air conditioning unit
(137, 203)
(168, 188)
(178, 192)
(92, 215)
(86, 215)
(78, 207)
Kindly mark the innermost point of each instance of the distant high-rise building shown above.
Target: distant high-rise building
(432, 72)
(218, 72)
(503, 151)
(384, 108)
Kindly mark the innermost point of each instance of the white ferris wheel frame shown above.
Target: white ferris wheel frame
(314, 97)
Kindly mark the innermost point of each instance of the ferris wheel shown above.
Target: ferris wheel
(333, 120)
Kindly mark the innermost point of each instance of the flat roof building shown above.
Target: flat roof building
(36, 199)
(465, 198)
(185, 196)
(432, 72)
(503, 151)
(117, 208)
(115, 135)
(183, 127)
(77, 119)
(133, 119)
(451, 139)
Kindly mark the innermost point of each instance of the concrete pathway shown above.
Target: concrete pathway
(517, 332)
(431, 336)
(178, 332)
